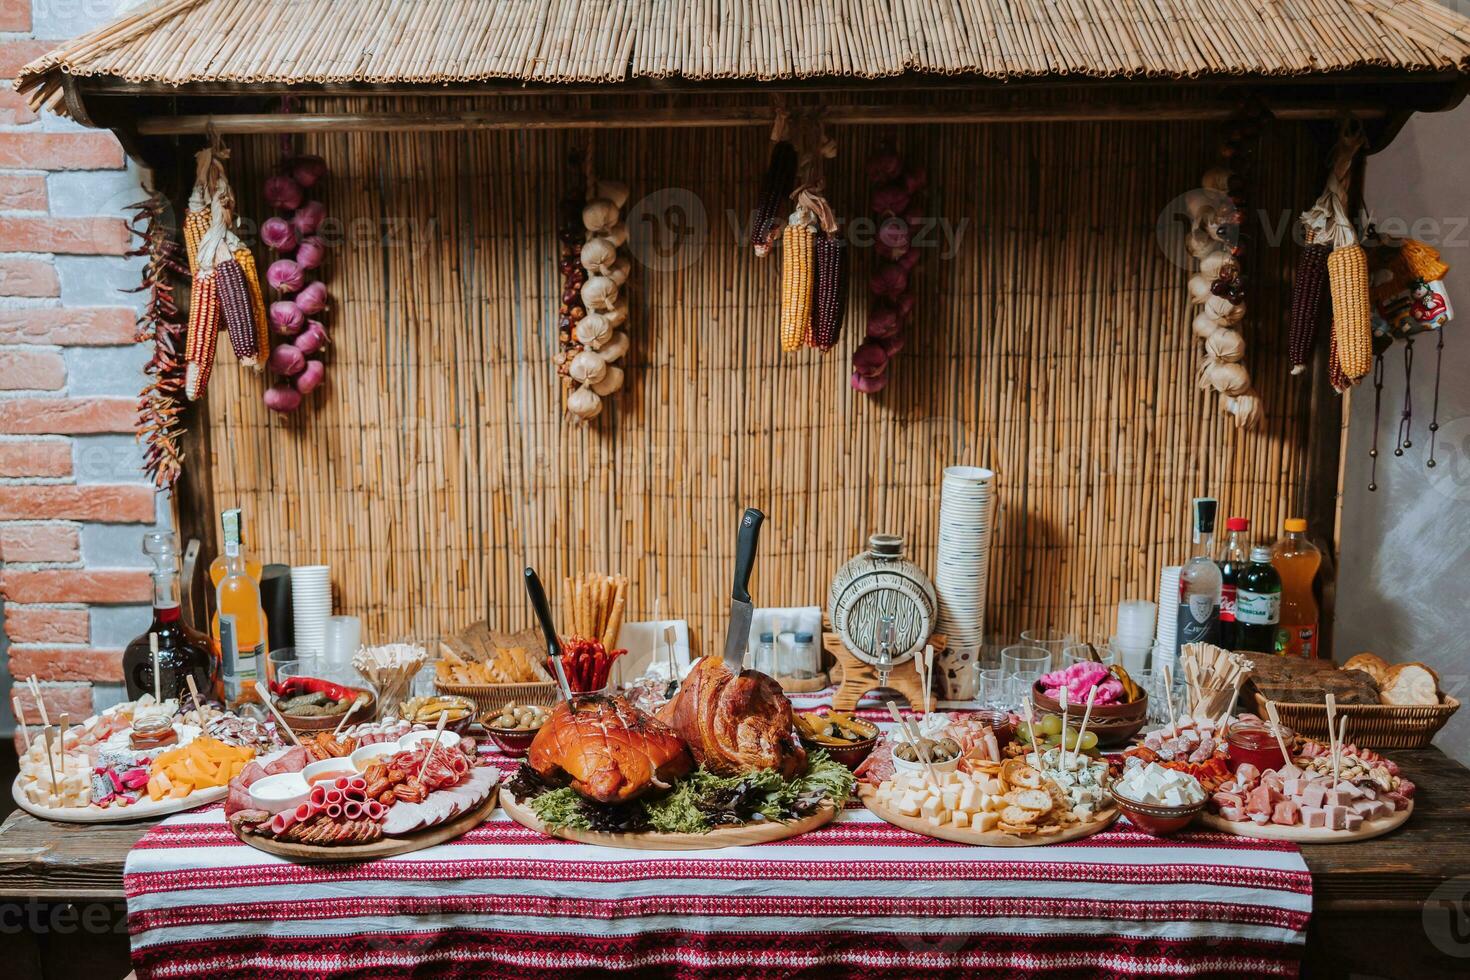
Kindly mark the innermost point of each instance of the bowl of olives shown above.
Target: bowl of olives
(846, 739)
(514, 726)
(943, 754)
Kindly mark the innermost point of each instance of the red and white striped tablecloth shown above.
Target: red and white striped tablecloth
(852, 898)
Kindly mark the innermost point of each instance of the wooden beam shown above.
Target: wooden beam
(704, 117)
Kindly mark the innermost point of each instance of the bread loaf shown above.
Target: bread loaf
(1409, 684)
(1369, 663)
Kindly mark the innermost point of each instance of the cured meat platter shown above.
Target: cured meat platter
(386, 847)
(1308, 835)
(763, 832)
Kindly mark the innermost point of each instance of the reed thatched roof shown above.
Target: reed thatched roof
(176, 42)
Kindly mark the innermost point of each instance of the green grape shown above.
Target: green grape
(1051, 725)
(1089, 741)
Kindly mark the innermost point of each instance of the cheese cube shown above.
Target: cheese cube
(885, 788)
(950, 797)
(930, 807)
(1314, 817)
(970, 798)
(908, 805)
(985, 822)
(960, 818)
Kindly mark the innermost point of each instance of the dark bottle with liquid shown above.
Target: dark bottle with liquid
(1258, 605)
(1235, 557)
(182, 650)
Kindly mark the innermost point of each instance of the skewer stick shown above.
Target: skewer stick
(1332, 733)
(20, 716)
(356, 703)
(912, 734)
(157, 681)
(47, 734)
(1035, 745)
(1062, 755)
(198, 703)
(1341, 739)
(438, 730)
(40, 701)
(265, 696)
(1086, 717)
(1169, 696)
(61, 741)
(1275, 718)
(928, 677)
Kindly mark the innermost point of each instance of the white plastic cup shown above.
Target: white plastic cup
(342, 637)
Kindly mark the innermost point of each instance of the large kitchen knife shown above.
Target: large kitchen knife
(742, 611)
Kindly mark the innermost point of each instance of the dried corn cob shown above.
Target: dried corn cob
(204, 317)
(829, 301)
(234, 303)
(1352, 312)
(257, 301)
(796, 283)
(196, 223)
(1339, 381)
(776, 187)
(1306, 303)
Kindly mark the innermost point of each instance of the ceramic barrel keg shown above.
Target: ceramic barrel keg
(881, 582)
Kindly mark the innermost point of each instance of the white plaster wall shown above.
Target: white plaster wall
(1404, 577)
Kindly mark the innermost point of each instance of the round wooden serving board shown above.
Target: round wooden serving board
(650, 840)
(1303, 835)
(993, 838)
(144, 809)
(386, 847)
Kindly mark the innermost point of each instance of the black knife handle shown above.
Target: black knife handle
(750, 533)
(543, 612)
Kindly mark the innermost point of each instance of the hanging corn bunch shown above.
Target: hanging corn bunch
(598, 337)
(204, 319)
(1217, 242)
(829, 291)
(1307, 292)
(1352, 307)
(776, 186)
(160, 402)
(796, 280)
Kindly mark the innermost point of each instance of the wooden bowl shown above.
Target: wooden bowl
(1153, 819)
(327, 723)
(1114, 724)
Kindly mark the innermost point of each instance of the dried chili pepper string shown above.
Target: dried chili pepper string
(159, 403)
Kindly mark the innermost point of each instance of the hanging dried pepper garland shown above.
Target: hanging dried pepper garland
(160, 325)
(599, 336)
(1217, 240)
(895, 190)
(297, 314)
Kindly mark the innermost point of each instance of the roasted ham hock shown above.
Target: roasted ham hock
(608, 750)
(735, 723)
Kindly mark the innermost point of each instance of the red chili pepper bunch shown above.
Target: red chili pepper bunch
(292, 686)
(161, 401)
(587, 664)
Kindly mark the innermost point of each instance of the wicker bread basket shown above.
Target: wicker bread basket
(479, 643)
(1373, 726)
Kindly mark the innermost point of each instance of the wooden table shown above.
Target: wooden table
(1369, 913)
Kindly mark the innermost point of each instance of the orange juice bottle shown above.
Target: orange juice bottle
(1296, 560)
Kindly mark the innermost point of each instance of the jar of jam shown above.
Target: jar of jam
(1253, 742)
(152, 732)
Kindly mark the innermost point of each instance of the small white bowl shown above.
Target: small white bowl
(903, 765)
(366, 755)
(318, 771)
(281, 791)
(413, 739)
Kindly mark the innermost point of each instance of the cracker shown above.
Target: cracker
(1018, 829)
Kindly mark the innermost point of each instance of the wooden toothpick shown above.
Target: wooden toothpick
(438, 730)
(157, 679)
(20, 716)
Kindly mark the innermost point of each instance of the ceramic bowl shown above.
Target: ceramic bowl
(903, 765)
(281, 791)
(412, 740)
(328, 770)
(369, 753)
(1113, 723)
(1156, 819)
(849, 754)
(514, 742)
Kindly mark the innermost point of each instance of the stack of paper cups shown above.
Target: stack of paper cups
(1168, 635)
(1135, 636)
(961, 568)
(311, 604)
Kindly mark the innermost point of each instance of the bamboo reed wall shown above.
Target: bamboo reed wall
(1054, 347)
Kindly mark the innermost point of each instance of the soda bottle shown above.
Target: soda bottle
(1258, 605)
(1296, 560)
(1235, 557)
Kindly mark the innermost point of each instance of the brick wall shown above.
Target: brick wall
(73, 502)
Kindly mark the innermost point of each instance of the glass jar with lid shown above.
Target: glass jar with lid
(802, 661)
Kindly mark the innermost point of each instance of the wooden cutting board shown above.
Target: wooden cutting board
(387, 847)
(1306, 835)
(992, 838)
(757, 833)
